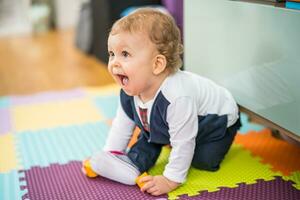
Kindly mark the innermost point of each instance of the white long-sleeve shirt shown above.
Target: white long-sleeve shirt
(181, 100)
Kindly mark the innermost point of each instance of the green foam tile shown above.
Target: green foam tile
(295, 177)
(239, 166)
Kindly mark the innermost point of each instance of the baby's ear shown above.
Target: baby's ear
(159, 65)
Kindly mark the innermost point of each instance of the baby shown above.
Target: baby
(195, 116)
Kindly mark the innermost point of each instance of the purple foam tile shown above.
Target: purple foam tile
(5, 121)
(47, 97)
(68, 182)
(277, 189)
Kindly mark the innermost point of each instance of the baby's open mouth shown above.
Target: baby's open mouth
(123, 79)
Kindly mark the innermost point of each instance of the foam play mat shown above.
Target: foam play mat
(45, 136)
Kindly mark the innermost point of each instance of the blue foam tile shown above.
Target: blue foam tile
(10, 186)
(107, 105)
(248, 126)
(61, 144)
(4, 102)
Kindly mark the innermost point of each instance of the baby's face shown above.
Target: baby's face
(131, 61)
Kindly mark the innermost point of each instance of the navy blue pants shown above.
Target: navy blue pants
(210, 149)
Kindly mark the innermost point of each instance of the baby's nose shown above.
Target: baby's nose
(116, 70)
(115, 63)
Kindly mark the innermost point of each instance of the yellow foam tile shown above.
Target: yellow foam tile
(103, 90)
(8, 156)
(49, 115)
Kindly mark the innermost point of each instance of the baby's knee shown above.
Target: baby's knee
(115, 167)
(207, 165)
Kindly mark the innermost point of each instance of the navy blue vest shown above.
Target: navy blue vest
(210, 127)
(159, 129)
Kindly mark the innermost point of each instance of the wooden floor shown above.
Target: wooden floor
(48, 61)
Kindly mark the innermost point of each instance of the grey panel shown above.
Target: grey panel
(251, 49)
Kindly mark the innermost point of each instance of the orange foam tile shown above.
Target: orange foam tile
(134, 137)
(109, 122)
(281, 155)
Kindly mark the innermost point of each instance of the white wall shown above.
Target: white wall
(14, 17)
(67, 13)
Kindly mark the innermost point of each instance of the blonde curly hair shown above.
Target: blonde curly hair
(162, 31)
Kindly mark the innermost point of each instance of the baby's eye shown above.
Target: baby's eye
(125, 54)
(111, 54)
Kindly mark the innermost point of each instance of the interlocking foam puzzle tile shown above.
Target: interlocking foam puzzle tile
(4, 102)
(283, 157)
(134, 137)
(8, 154)
(48, 115)
(107, 105)
(10, 186)
(51, 96)
(5, 121)
(60, 145)
(112, 89)
(295, 177)
(238, 166)
(277, 189)
(58, 128)
(248, 126)
(67, 182)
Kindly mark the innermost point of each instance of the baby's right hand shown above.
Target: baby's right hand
(87, 169)
(158, 185)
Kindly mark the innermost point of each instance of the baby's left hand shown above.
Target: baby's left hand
(157, 185)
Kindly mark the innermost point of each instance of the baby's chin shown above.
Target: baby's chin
(129, 92)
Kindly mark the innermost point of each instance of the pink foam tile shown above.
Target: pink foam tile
(5, 121)
(47, 97)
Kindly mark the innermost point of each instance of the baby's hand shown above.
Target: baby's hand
(157, 185)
